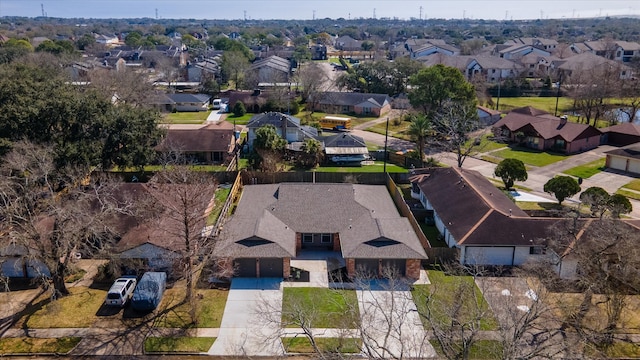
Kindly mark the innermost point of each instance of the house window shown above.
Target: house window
(326, 238)
(366, 110)
(307, 238)
(493, 71)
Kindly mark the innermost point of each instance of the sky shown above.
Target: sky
(308, 9)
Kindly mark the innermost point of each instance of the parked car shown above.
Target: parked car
(149, 291)
(121, 291)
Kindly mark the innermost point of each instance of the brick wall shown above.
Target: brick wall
(286, 267)
(413, 268)
(298, 242)
(351, 267)
(336, 242)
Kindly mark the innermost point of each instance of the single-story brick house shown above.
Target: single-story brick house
(622, 134)
(273, 223)
(335, 102)
(540, 130)
(474, 216)
(209, 144)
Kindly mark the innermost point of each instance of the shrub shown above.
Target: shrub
(239, 109)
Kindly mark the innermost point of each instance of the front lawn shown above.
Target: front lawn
(77, 310)
(529, 156)
(324, 308)
(173, 313)
(397, 131)
(190, 117)
(629, 194)
(240, 120)
(487, 144)
(633, 185)
(377, 167)
(332, 345)
(178, 344)
(38, 345)
(587, 170)
(445, 293)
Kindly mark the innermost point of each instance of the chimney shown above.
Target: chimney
(563, 120)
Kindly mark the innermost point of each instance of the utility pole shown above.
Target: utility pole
(386, 137)
(314, 15)
(156, 13)
(420, 13)
(245, 15)
(374, 13)
(558, 95)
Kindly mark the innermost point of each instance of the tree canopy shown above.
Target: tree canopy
(562, 187)
(434, 85)
(511, 170)
(38, 104)
(419, 130)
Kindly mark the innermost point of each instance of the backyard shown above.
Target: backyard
(191, 117)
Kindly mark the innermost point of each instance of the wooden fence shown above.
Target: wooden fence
(233, 195)
(403, 208)
(259, 177)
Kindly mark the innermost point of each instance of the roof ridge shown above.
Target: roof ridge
(482, 219)
(482, 196)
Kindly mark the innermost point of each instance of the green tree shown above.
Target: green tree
(511, 170)
(597, 198)
(56, 47)
(619, 204)
(311, 153)
(562, 187)
(419, 129)
(133, 39)
(13, 49)
(86, 41)
(234, 64)
(239, 109)
(434, 85)
(301, 54)
(268, 147)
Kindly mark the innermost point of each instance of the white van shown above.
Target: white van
(217, 104)
(121, 291)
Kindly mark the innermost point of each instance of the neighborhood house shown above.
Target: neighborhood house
(274, 223)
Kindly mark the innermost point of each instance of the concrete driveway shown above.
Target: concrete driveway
(251, 320)
(391, 326)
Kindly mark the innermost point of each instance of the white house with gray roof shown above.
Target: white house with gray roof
(274, 223)
(287, 127)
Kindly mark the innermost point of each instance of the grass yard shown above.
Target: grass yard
(221, 196)
(174, 314)
(239, 120)
(567, 304)
(529, 156)
(332, 345)
(629, 194)
(634, 185)
(325, 308)
(77, 310)
(178, 344)
(444, 292)
(618, 350)
(547, 104)
(433, 235)
(488, 144)
(378, 166)
(480, 350)
(38, 345)
(587, 170)
(188, 117)
(399, 131)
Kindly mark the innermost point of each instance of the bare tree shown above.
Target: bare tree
(126, 86)
(590, 87)
(55, 213)
(456, 126)
(185, 198)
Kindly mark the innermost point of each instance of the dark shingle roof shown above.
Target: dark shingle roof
(351, 99)
(189, 98)
(624, 128)
(213, 137)
(629, 152)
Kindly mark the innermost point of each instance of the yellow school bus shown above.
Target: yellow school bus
(335, 123)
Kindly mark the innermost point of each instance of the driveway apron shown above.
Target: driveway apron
(250, 323)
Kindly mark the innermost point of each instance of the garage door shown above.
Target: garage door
(367, 267)
(618, 163)
(270, 267)
(245, 267)
(634, 166)
(485, 255)
(397, 266)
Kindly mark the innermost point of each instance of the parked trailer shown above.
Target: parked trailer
(149, 291)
